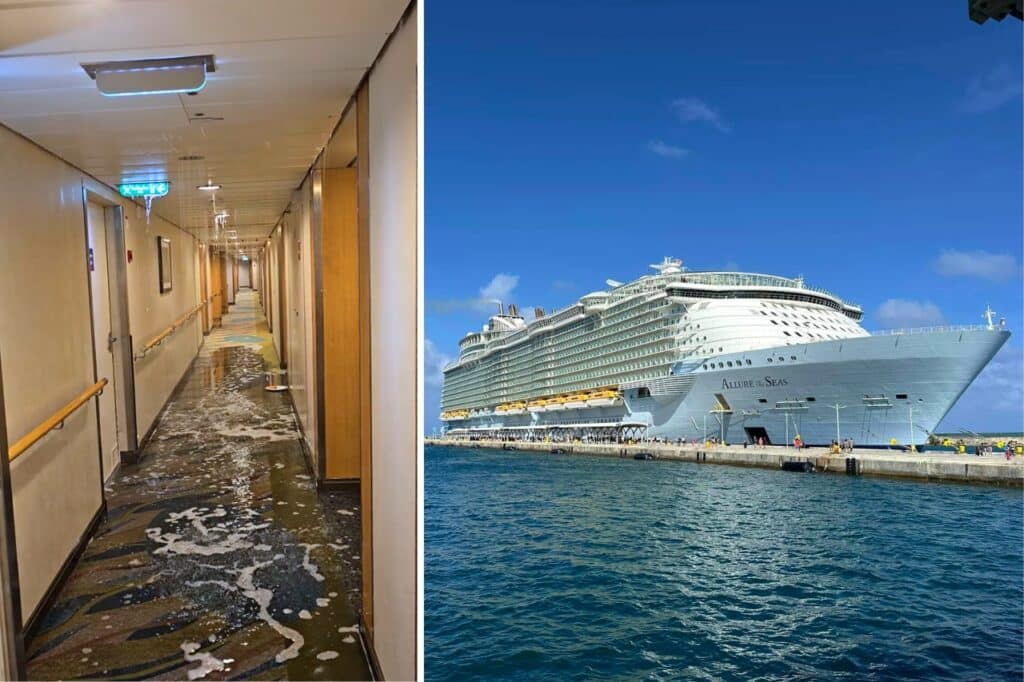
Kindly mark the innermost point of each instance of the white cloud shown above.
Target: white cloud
(898, 312)
(498, 289)
(433, 362)
(666, 150)
(991, 91)
(693, 110)
(982, 264)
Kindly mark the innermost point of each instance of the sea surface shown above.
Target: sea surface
(562, 567)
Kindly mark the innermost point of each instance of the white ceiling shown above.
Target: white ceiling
(284, 71)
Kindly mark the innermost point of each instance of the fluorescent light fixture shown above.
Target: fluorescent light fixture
(245, 258)
(151, 76)
(208, 187)
(142, 189)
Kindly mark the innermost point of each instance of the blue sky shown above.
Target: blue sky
(874, 148)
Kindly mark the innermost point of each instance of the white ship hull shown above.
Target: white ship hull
(895, 387)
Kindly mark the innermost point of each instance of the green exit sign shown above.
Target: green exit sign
(143, 189)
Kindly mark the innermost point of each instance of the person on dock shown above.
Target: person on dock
(797, 443)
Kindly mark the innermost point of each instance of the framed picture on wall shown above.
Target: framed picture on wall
(163, 250)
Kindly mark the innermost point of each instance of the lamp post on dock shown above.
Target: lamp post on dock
(838, 407)
(910, 443)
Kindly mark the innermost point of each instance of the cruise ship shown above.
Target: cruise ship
(687, 355)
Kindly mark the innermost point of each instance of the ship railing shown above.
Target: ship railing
(933, 329)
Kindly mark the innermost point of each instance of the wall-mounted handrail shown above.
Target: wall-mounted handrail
(175, 326)
(55, 421)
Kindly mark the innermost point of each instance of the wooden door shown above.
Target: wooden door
(342, 319)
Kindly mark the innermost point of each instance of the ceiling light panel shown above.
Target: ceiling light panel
(151, 76)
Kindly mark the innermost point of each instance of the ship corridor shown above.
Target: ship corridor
(162, 515)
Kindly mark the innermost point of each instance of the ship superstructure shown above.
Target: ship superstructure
(688, 355)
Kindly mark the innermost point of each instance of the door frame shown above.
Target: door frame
(204, 293)
(120, 326)
(282, 299)
(316, 222)
(12, 648)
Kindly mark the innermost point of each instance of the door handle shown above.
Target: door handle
(110, 342)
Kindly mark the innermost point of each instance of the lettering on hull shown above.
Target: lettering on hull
(767, 382)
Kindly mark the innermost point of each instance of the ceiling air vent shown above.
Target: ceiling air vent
(151, 76)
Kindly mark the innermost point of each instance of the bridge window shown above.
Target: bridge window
(901, 396)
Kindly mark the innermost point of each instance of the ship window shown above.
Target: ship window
(775, 323)
(761, 400)
(782, 359)
(769, 359)
(785, 332)
(901, 396)
(643, 392)
(721, 365)
(810, 400)
(729, 363)
(748, 362)
(798, 334)
(792, 357)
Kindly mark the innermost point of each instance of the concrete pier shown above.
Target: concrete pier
(990, 469)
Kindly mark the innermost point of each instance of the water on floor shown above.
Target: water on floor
(217, 559)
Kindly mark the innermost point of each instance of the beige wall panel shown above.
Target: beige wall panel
(394, 296)
(46, 339)
(151, 312)
(299, 327)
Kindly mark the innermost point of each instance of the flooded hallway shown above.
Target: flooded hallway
(216, 554)
(208, 340)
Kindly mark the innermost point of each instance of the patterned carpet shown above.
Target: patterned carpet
(217, 559)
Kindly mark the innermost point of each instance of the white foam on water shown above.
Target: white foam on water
(349, 639)
(332, 595)
(305, 615)
(350, 628)
(208, 663)
(320, 601)
(174, 544)
(346, 512)
(262, 597)
(310, 567)
(327, 655)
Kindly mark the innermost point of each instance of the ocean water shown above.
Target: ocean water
(563, 567)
